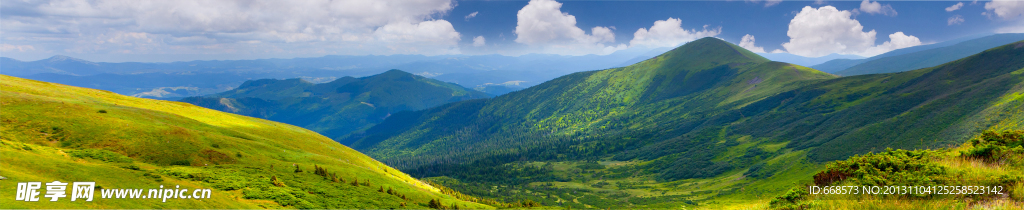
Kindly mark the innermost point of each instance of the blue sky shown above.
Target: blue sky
(130, 30)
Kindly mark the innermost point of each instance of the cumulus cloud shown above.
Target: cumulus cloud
(1006, 9)
(897, 40)
(479, 41)
(748, 42)
(876, 8)
(541, 23)
(826, 30)
(669, 33)
(234, 26)
(471, 15)
(955, 20)
(955, 7)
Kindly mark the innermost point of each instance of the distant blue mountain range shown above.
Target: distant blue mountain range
(176, 80)
(806, 61)
(917, 57)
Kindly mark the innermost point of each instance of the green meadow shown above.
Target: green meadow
(53, 132)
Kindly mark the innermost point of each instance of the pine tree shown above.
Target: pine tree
(297, 169)
(381, 189)
(355, 182)
(434, 204)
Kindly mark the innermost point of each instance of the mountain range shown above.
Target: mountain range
(806, 61)
(176, 80)
(338, 107)
(708, 111)
(917, 57)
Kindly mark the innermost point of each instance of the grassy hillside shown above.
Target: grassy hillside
(993, 160)
(56, 132)
(707, 124)
(336, 108)
(925, 108)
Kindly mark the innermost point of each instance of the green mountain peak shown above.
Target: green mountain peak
(708, 52)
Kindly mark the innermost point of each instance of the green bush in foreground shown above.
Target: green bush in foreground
(892, 167)
(793, 199)
(992, 159)
(992, 146)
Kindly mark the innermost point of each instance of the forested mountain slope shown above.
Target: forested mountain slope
(701, 95)
(592, 114)
(930, 107)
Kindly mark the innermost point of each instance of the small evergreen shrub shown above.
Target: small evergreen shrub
(792, 200)
(993, 146)
(181, 163)
(101, 155)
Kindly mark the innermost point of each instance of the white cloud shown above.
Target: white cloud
(778, 51)
(955, 20)
(955, 7)
(826, 30)
(669, 33)
(235, 26)
(541, 23)
(420, 38)
(1006, 9)
(876, 8)
(471, 15)
(748, 42)
(479, 41)
(897, 40)
(19, 48)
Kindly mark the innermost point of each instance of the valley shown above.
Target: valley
(523, 104)
(706, 125)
